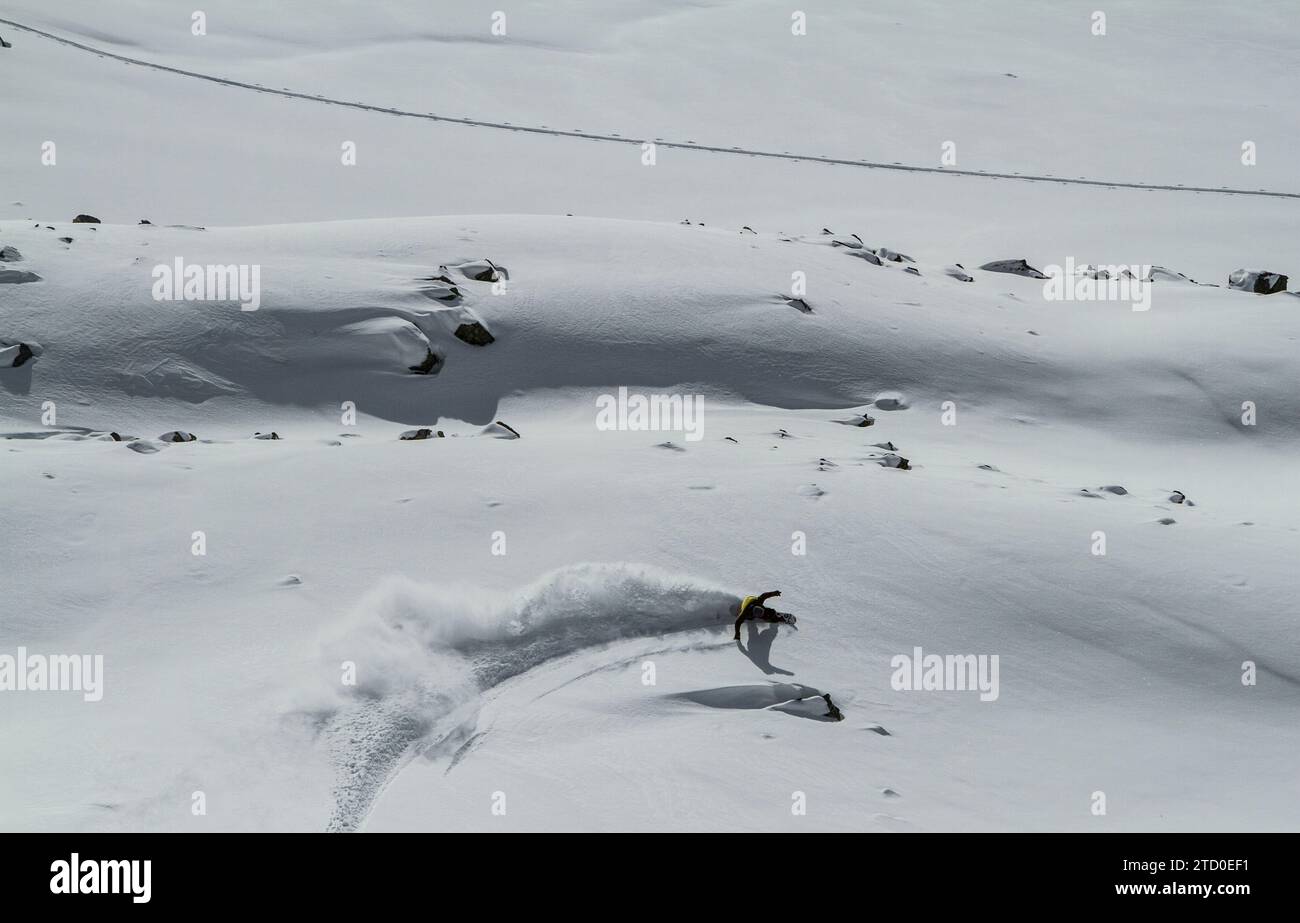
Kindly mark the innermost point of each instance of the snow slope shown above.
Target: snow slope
(586, 677)
(886, 81)
(247, 642)
(135, 144)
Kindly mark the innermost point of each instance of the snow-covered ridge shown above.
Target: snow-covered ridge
(399, 317)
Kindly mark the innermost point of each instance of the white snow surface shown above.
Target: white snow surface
(586, 678)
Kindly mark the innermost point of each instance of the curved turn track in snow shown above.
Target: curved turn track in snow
(425, 654)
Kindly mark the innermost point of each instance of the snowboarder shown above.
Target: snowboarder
(752, 608)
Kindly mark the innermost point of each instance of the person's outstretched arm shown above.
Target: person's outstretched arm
(766, 596)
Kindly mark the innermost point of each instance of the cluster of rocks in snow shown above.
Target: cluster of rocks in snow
(876, 256)
(14, 276)
(1176, 497)
(497, 430)
(1258, 281)
(889, 402)
(445, 287)
(442, 287)
(423, 433)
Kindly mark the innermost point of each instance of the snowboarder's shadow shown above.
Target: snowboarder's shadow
(17, 381)
(759, 648)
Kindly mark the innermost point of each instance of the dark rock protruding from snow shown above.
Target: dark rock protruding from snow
(799, 305)
(1015, 267)
(480, 271)
(271, 435)
(893, 256)
(868, 255)
(10, 255)
(17, 276)
(475, 334)
(423, 433)
(429, 366)
(177, 435)
(957, 271)
(448, 294)
(85, 219)
(145, 221)
(1259, 281)
(896, 461)
(13, 355)
(500, 430)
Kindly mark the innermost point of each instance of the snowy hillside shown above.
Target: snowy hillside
(310, 620)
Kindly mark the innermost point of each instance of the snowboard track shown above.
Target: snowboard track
(449, 647)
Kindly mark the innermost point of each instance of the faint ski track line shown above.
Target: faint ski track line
(618, 139)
